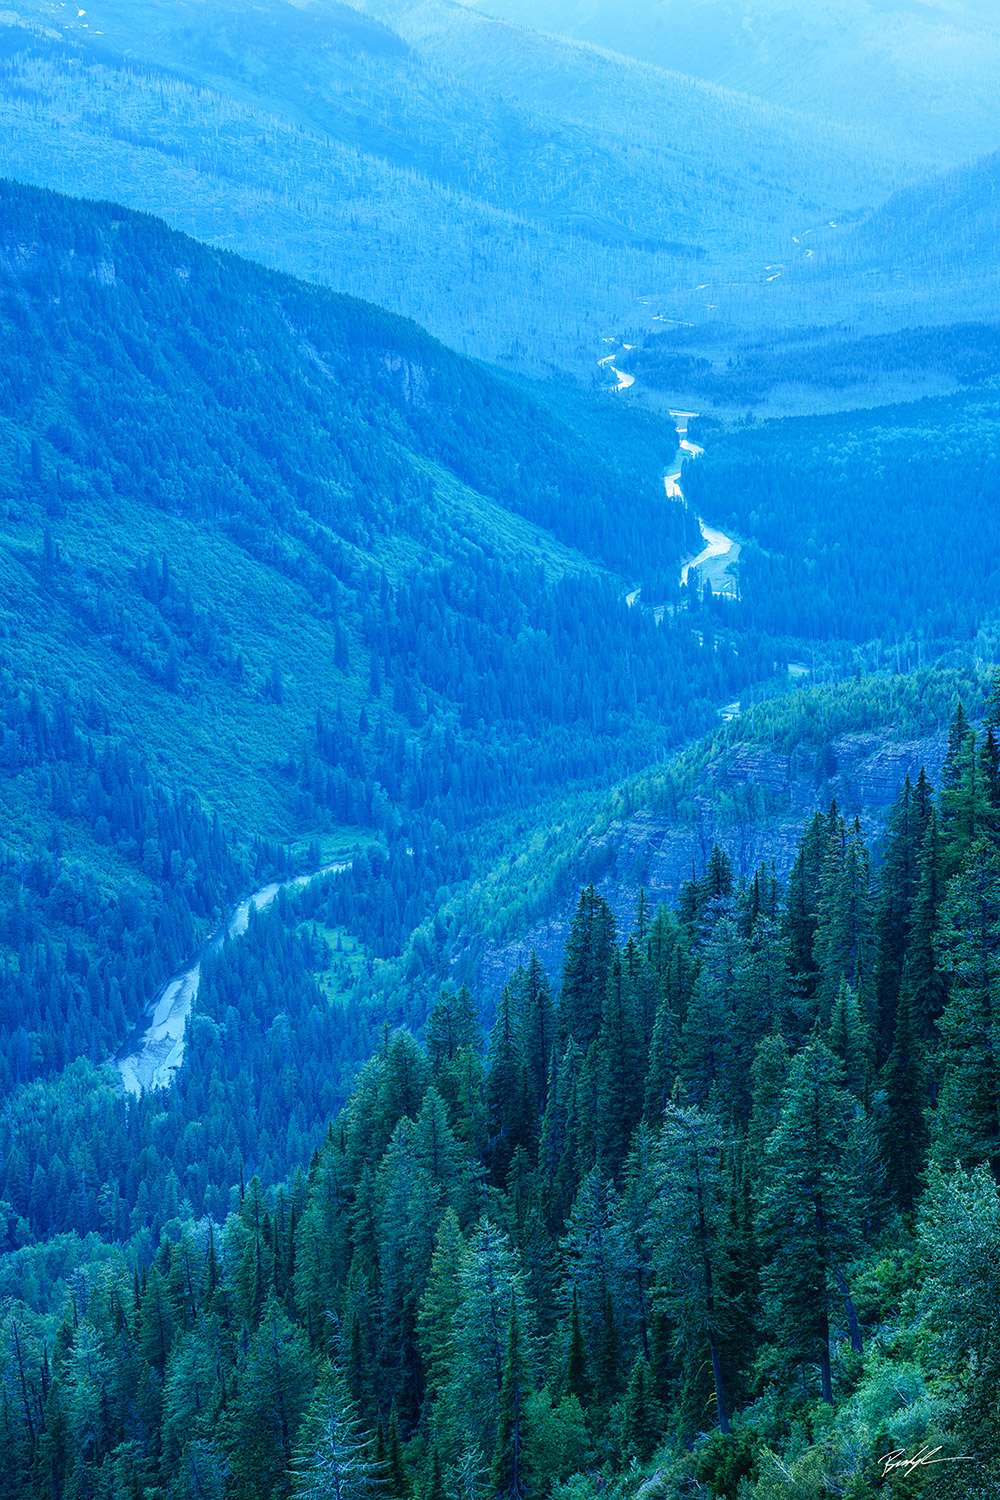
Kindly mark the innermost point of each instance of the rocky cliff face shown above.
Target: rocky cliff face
(754, 803)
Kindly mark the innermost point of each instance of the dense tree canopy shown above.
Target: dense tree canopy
(509, 1263)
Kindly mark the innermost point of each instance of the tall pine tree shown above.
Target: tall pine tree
(810, 1215)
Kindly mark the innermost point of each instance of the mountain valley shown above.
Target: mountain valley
(499, 751)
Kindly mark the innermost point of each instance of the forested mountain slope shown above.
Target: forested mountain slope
(280, 575)
(556, 190)
(945, 224)
(904, 67)
(874, 525)
(926, 255)
(748, 788)
(716, 1218)
(291, 553)
(276, 443)
(278, 569)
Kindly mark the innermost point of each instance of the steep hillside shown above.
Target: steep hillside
(944, 223)
(282, 576)
(750, 787)
(272, 452)
(398, 166)
(904, 67)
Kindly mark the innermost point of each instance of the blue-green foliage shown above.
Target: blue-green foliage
(873, 524)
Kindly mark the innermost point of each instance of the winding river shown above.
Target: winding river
(152, 1055)
(624, 381)
(717, 544)
(718, 547)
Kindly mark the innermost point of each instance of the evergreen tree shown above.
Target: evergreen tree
(693, 1249)
(761, 995)
(335, 1457)
(491, 1290)
(903, 1121)
(406, 1079)
(273, 1396)
(398, 1478)
(717, 882)
(844, 945)
(810, 1213)
(538, 1030)
(507, 1475)
(701, 901)
(769, 1075)
(620, 1066)
(706, 1055)
(958, 734)
(440, 1157)
(898, 885)
(452, 1024)
(671, 960)
(156, 1322)
(594, 1253)
(408, 1206)
(322, 1245)
(642, 1415)
(440, 1302)
(463, 1089)
(509, 1119)
(740, 1271)
(662, 1068)
(802, 905)
(193, 1392)
(637, 1227)
(561, 1147)
(577, 1382)
(848, 1041)
(435, 1489)
(959, 1229)
(927, 986)
(989, 776)
(643, 918)
(589, 952)
(761, 898)
(964, 808)
(664, 935)
(991, 717)
(968, 945)
(646, 990)
(609, 1359)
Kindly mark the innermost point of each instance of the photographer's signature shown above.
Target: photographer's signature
(924, 1458)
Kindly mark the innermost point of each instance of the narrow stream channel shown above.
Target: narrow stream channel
(717, 544)
(155, 1050)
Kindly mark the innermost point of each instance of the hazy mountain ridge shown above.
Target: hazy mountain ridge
(926, 72)
(946, 225)
(382, 170)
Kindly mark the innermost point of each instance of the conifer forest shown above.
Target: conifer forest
(499, 750)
